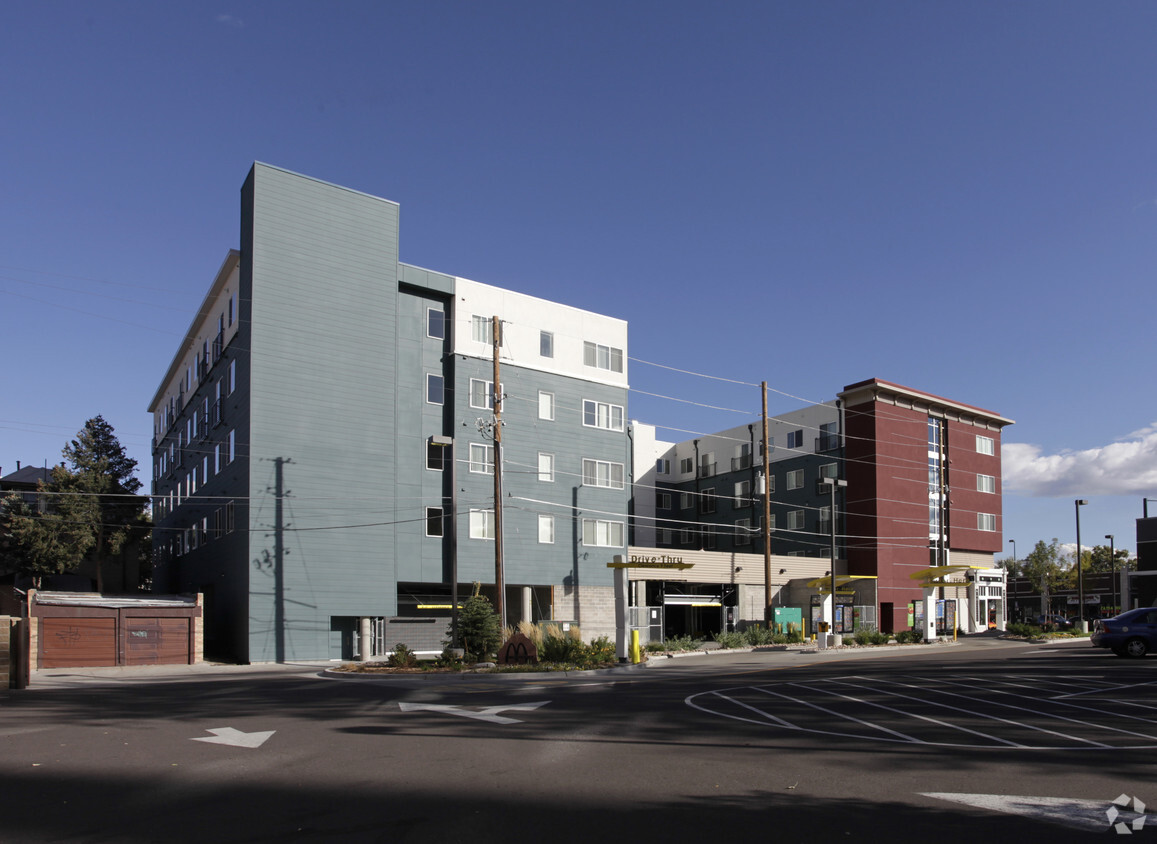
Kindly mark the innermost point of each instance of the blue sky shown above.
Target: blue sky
(957, 197)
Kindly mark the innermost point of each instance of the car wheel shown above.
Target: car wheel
(1136, 647)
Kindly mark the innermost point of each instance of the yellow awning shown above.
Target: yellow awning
(824, 584)
(935, 576)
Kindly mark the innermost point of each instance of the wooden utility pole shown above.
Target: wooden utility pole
(767, 613)
(499, 579)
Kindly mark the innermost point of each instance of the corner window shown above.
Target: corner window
(602, 357)
(985, 445)
(795, 479)
(435, 389)
(597, 414)
(986, 483)
(795, 519)
(985, 521)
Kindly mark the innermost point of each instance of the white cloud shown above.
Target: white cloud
(1127, 467)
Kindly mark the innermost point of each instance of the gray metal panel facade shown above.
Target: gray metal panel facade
(324, 264)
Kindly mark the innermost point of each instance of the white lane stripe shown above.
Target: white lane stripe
(1063, 717)
(1009, 721)
(756, 709)
(926, 717)
(840, 715)
(1108, 689)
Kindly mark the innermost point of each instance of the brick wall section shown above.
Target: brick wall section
(33, 640)
(7, 660)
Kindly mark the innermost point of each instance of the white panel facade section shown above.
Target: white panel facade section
(524, 319)
(646, 451)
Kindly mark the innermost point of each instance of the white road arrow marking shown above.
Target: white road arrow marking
(235, 738)
(1080, 814)
(489, 713)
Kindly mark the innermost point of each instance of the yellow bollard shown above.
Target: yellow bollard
(636, 657)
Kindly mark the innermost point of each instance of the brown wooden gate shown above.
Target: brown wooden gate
(156, 641)
(77, 642)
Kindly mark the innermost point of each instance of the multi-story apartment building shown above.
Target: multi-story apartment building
(922, 491)
(324, 446)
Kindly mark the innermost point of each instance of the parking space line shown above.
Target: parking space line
(1031, 711)
(934, 720)
(860, 721)
(1107, 689)
(756, 709)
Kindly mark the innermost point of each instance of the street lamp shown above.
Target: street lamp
(833, 483)
(1080, 502)
(1013, 541)
(1113, 568)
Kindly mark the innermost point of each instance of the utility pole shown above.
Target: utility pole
(767, 610)
(499, 579)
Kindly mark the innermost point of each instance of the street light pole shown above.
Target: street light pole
(1080, 502)
(1113, 568)
(832, 484)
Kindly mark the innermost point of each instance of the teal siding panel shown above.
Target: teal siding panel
(324, 291)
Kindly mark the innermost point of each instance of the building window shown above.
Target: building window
(436, 323)
(435, 389)
(663, 500)
(546, 344)
(482, 458)
(602, 473)
(684, 537)
(546, 406)
(743, 531)
(742, 458)
(662, 467)
(481, 394)
(232, 307)
(546, 530)
(707, 501)
(985, 521)
(601, 533)
(232, 377)
(742, 494)
(435, 456)
(795, 479)
(230, 447)
(828, 439)
(434, 526)
(685, 501)
(709, 538)
(603, 357)
(546, 467)
(229, 517)
(481, 524)
(985, 483)
(707, 465)
(829, 470)
(597, 414)
(795, 519)
(795, 439)
(482, 330)
(687, 465)
(664, 537)
(985, 445)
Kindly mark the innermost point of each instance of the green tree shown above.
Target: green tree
(1099, 559)
(478, 627)
(92, 510)
(1045, 566)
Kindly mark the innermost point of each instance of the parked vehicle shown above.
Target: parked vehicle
(1132, 633)
(1058, 622)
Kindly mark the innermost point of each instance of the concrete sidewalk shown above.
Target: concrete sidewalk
(71, 678)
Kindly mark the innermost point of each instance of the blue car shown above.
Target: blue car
(1132, 633)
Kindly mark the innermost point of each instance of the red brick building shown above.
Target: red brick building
(924, 488)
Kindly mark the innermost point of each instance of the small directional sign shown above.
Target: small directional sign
(235, 738)
(488, 713)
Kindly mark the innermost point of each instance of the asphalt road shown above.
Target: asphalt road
(983, 740)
